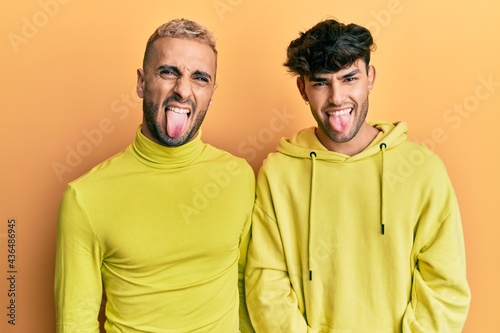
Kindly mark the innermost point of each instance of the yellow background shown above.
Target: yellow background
(68, 71)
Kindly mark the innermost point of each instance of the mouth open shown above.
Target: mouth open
(176, 120)
(340, 120)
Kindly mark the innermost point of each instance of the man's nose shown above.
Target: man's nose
(183, 88)
(337, 95)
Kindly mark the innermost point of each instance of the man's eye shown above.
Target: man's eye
(167, 72)
(319, 84)
(201, 78)
(350, 79)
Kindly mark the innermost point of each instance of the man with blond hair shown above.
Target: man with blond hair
(163, 226)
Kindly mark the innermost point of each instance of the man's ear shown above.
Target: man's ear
(301, 85)
(140, 83)
(372, 73)
(211, 99)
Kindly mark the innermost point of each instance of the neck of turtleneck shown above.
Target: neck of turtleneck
(162, 157)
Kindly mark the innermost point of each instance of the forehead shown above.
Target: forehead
(183, 53)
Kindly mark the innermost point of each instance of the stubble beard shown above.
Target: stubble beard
(159, 132)
(346, 137)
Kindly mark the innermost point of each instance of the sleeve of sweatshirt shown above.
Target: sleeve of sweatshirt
(78, 286)
(271, 300)
(440, 293)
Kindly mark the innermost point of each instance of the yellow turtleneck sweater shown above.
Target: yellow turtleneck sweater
(165, 231)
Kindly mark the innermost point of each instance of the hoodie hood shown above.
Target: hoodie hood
(304, 142)
(306, 145)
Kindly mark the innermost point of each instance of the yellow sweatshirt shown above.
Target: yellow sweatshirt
(365, 243)
(165, 230)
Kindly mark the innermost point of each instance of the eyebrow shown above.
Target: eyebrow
(315, 78)
(349, 74)
(176, 70)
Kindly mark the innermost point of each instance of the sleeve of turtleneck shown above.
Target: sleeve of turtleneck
(245, 324)
(78, 286)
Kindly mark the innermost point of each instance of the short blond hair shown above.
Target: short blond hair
(181, 28)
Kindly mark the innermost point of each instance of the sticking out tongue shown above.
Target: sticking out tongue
(340, 122)
(176, 123)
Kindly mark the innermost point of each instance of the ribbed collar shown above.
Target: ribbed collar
(161, 157)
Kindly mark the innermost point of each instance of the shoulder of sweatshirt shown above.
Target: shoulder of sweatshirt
(280, 169)
(418, 155)
(426, 171)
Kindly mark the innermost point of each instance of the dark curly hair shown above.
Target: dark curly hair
(328, 47)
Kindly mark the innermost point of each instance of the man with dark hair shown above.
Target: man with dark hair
(163, 225)
(355, 228)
